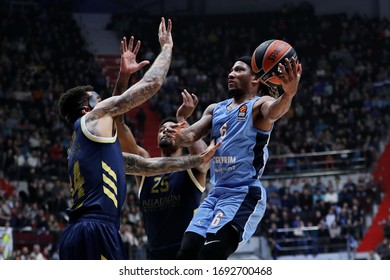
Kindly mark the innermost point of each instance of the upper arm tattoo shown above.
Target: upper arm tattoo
(146, 87)
(137, 165)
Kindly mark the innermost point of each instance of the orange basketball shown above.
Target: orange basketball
(267, 56)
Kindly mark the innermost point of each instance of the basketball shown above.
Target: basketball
(267, 56)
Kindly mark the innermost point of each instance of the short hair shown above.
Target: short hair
(70, 104)
(246, 59)
(168, 119)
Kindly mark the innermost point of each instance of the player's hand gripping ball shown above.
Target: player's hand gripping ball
(267, 56)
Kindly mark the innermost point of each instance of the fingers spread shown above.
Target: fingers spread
(169, 25)
(137, 47)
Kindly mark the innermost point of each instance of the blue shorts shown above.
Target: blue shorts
(243, 207)
(92, 237)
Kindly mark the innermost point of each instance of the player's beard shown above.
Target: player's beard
(167, 146)
(235, 92)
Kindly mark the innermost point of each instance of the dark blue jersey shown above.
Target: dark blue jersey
(168, 202)
(97, 174)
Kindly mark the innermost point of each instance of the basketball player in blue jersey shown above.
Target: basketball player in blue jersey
(234, 207)
(168, 200)
(97, 166)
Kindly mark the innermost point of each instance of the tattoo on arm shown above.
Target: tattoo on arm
(137, 165)
(146, 87)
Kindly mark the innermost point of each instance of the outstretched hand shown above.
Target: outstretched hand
(164, 33)
(208, 154)
(190, 101)
(173, 131)
(129, 64)
(290, 77)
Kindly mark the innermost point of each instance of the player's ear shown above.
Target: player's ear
(255, 80)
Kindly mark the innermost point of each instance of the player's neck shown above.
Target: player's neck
(237, 100)
(171, 153)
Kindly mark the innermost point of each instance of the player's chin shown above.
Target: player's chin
(165, 143)
(234, 92)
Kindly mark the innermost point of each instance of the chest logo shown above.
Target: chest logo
(242, 113)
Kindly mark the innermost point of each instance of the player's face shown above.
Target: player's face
(164, 141)
(239, 79)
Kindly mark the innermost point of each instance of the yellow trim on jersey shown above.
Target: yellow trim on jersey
(109, 182)
(197, 184)
(109, 170)
(95, 138)
(103, 258)
(140, 186)
(111, 195)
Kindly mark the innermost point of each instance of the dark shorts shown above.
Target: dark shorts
(91, 238)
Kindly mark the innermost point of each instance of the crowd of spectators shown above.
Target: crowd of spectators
(318, 215)
(341, 104)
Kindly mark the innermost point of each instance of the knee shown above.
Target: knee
(214, 250)
(221, 245)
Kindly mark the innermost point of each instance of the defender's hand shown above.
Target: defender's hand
(128, 63)
(190, 101)
(208, 154)
(164, 33)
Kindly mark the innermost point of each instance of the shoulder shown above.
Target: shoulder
(264, 99)
(211, 107)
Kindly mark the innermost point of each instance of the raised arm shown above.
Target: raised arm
(272, 109)
(137, 165)
(127, 140)
(190, 101)
(150, 83)
(186, 137)
(128, 64)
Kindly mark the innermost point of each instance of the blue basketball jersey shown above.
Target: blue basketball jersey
(167, 203)
(242, 157)
(238, 197)
(97, 176)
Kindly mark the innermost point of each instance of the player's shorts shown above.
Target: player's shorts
(243, 207)
(92, 237)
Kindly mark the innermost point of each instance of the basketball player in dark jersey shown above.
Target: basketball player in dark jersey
(168, 200)
(97, 166)
(229, 216)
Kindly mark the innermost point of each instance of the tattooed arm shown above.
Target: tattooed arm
(137, 165)
(186, 137)
(128, 64)
(190, 101)
(100, 118)
(150, 83)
